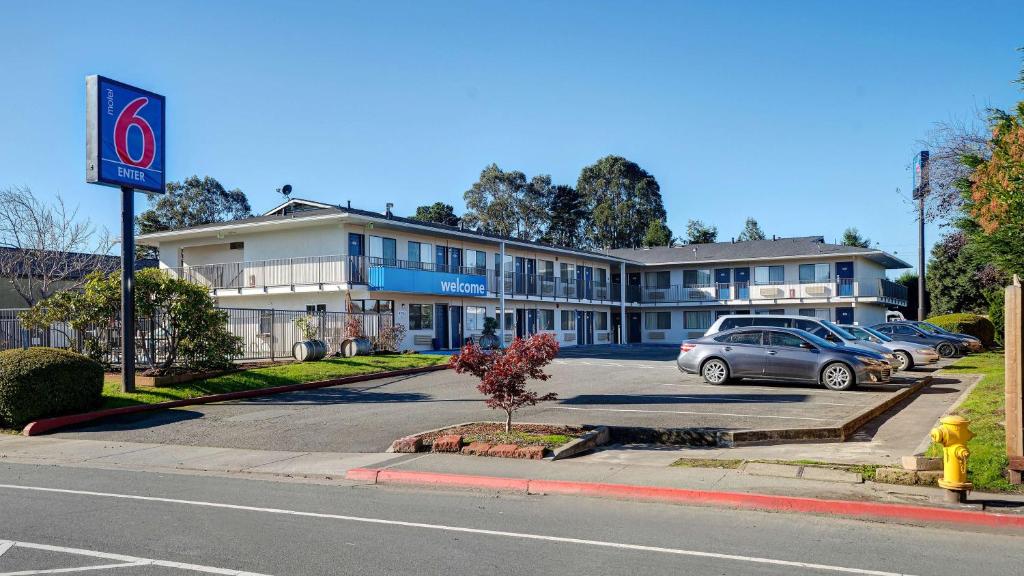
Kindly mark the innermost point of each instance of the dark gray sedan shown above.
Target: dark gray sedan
(780, 354)
(947, 346)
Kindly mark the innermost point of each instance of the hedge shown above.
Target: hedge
(40, 382)
(978, 326)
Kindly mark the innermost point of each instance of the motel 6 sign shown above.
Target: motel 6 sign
(124, 135)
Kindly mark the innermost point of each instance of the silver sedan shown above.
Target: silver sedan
(780, 354)
(908, 354)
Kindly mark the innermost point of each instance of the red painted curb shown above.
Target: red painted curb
(48, 424)
(765, 502)
(439, 479)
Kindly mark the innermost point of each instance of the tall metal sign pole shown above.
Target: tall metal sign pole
(921, 189)
(124, 148)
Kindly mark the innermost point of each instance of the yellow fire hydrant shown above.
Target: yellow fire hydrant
(953, 434)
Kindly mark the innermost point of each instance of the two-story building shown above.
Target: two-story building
(442, 281)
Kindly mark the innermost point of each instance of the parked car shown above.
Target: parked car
(909, 354)
(820, 328)
(947, 346)
(780, 354)
(972, 343)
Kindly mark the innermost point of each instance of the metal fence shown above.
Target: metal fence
(266, 334)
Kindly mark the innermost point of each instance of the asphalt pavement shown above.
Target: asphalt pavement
(631, 387)
(138, 523)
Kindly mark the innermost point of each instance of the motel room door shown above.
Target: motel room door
(633, 329)
(441, 335)
(455, 323)
(355, 260)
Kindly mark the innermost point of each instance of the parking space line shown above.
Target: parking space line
(726, 399)
(692, 413)
(124, 560)
(76, 569)
(428, 526)
(5, 545)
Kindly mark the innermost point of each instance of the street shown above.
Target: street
(136, 523)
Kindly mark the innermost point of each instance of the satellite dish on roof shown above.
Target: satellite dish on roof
(286, 190)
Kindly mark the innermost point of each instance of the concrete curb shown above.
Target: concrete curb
(49, 424)
(592, 439)
(764, 502)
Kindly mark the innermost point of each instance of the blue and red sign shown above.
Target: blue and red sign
(125, 139)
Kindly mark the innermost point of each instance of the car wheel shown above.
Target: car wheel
(946, 350)
(905, 360)
(715, 371)
(837, 376)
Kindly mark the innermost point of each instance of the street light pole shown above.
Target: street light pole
(920, 191)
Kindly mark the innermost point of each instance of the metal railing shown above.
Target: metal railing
(266, 334)
(745, 291)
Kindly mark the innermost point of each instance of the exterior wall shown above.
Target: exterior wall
(335, 301)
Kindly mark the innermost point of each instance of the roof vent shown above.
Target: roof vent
(387, 209)
(774, 237)
(349, 204)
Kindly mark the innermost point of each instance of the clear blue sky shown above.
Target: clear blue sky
(802, 114)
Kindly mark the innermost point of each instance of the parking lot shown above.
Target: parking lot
(631, 387)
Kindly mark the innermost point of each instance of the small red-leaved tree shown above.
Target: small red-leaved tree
(503, 373)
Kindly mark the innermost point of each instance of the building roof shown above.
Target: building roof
(796, 247)
(297, 209)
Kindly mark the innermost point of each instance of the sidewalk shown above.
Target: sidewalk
(332, 467)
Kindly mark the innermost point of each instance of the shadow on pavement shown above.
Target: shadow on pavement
(624, 399)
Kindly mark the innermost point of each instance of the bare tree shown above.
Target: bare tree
(44, 248)
(948, 143)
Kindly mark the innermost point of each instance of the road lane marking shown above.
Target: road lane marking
(122, 559)
(447, 528)
(5, 545)
(690, 413)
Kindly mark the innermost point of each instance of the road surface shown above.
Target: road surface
(117, 523)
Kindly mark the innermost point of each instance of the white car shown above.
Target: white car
(908, 354)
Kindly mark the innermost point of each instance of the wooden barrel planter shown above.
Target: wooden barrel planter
(488, 341)
(309, 350)
(356, 347)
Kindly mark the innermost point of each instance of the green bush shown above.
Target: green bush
(978, 326)
(40, 382)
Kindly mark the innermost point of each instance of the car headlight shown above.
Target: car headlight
(868, 360)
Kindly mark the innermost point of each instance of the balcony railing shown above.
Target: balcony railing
(752, 293)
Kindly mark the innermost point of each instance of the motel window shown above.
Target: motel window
(384, 250)
(545, 319)
(374, 306)
(600, 277)
(822, 313)
(510, 320)
(314, 308)
(421, 316)
(420, 255)
(476, 259)
(658, 320)
(810, 273)
(769, 275)
(696, 278)
(660, 280)
(698, 319)
(475, 317)
(546, 269)
(567, 271)
(568, 319)
(266, 321)
(600, 320)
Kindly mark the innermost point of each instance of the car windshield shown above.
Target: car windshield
(816, 340)
(933, 328)
(863, 334)
(877, 334)
(839, 331)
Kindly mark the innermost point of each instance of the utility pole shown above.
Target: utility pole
(921, 189)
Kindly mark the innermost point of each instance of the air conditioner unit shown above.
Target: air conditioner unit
(768, 292)
(816, 290)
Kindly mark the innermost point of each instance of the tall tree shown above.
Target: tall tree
(507, 204)
(909, 279)
(958, 276)
(622, 200)
(438, 213)
(994, 192)
(751, 231)
(193, 202)
(45, 248)
(566, 214)
(852, 237)
(698, 232)
(658, 234)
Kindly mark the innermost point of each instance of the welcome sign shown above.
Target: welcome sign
(427, 282)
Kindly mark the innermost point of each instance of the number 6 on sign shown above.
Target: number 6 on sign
(128, 118)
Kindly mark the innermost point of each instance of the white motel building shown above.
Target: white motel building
(442, 281)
